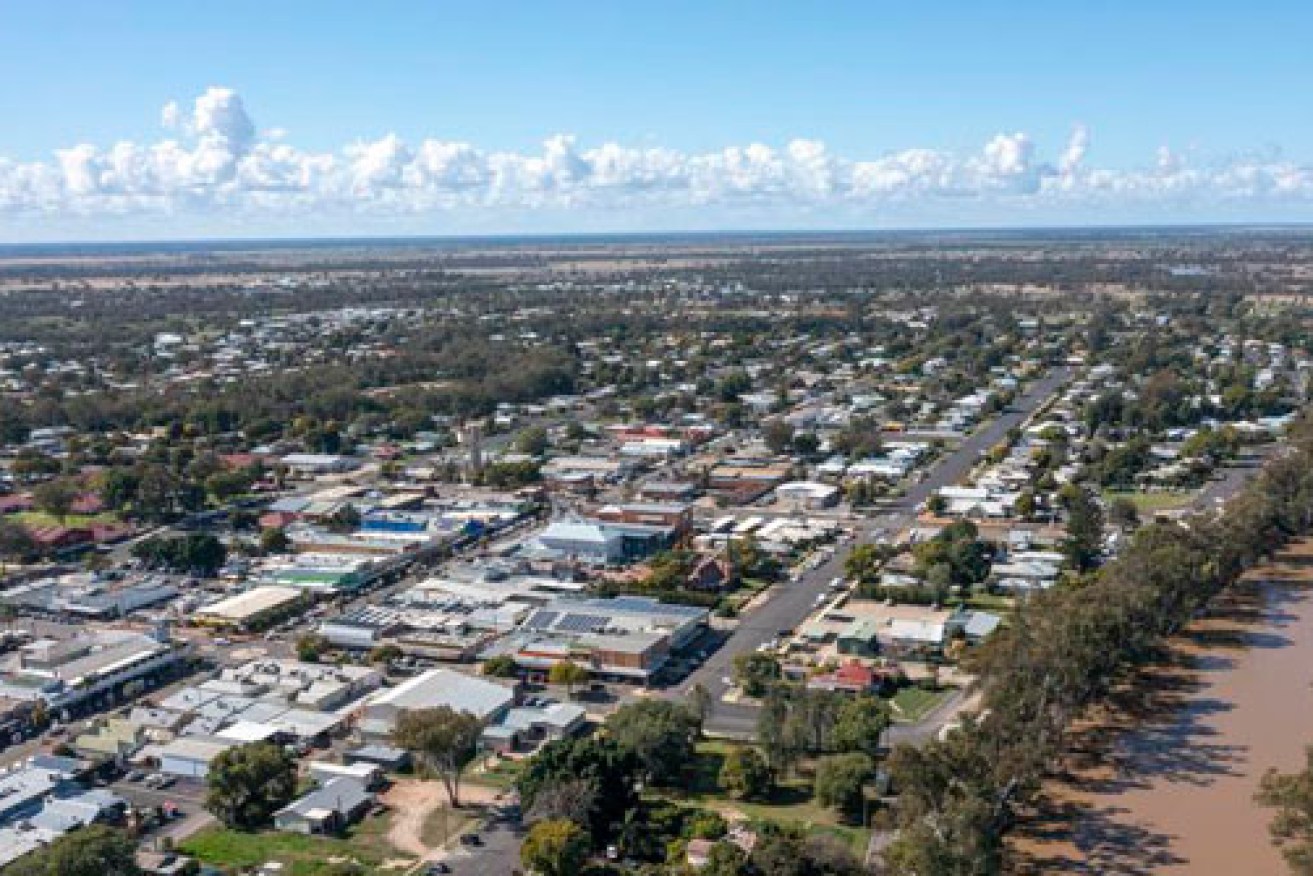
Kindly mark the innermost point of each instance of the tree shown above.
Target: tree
(745, 773)
(1084, 527)
(778, 435)
(700, 703)
(274, 541)
(311, 647)
(756, 672)
(610, 769)
(572, 799)
(1291, 795)
(1123, 514)
(15, 543)
(568, 674)
(385, 654)
(444, 739)
(95, 850)
(790, 852)
(936, 504)
(775, 743)
(555, 848)
(501, 666)
(532, 441)
(56, 498)
(661, 734)
(841, 778)
(860, 725)
(344, 519)
(247, 784)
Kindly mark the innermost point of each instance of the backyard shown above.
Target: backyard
(366, 844)
(791, 803)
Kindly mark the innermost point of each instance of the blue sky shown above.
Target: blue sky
(1220, 85)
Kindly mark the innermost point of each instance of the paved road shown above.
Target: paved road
(499, 855)
(1233, 477)
(789, 604)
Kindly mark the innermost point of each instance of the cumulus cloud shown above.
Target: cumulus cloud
(214, 161)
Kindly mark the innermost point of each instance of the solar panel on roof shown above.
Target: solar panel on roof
(542, 620)
(581, 623)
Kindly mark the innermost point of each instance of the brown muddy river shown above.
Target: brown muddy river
(1164, 782)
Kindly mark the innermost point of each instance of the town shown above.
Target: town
(645, 557)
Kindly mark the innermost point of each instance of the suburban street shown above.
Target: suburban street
(788, 604)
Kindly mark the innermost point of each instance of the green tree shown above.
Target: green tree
(778, 435)
(1291, 795)
(501, 666)
(661, 734)
(745, 774)
(15, 543)
(56, 498)
(841, 779)
(860, 725)
(445, 740)
(1084, 527)
(568, 674)
(1123, 514)
(532, 441)
(700, 703)
(95, 850)
(245, 785)
(608, 768)
(756, 672)
(555, 848)
(344, 519)
(385, 654)
(311, 647)
(274, 541)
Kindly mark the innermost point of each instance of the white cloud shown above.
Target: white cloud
(216, 165)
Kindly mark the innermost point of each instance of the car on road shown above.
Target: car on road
(470, 839)
(437, 867)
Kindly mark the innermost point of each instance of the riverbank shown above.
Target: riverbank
(1162, 779)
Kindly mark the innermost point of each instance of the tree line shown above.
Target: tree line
(1062, 653)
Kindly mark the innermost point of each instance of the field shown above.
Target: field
(791, 804)
(39, 519)
(912, 703)
(1148, 502)
(366, 844)
(501, 775)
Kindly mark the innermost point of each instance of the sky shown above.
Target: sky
(149, 120)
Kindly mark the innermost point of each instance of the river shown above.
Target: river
(1163, 780)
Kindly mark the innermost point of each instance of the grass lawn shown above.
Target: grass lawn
(995, 602)
(1155, 501)
(366, 844)
(37, 519)
(443, 824)
(791, 804)
(501, 776)
(913, 703)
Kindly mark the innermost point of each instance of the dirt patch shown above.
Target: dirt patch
(413, 802)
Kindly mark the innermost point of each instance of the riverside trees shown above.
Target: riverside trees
(1063, 651)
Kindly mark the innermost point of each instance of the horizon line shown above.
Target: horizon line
(783, 233)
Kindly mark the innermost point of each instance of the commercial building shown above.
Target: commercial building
(626, 637)
(73, 672)
(255, 608)
(486, 700)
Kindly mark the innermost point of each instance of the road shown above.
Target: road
(1233, 477)
(499, 854)
(789, 604)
